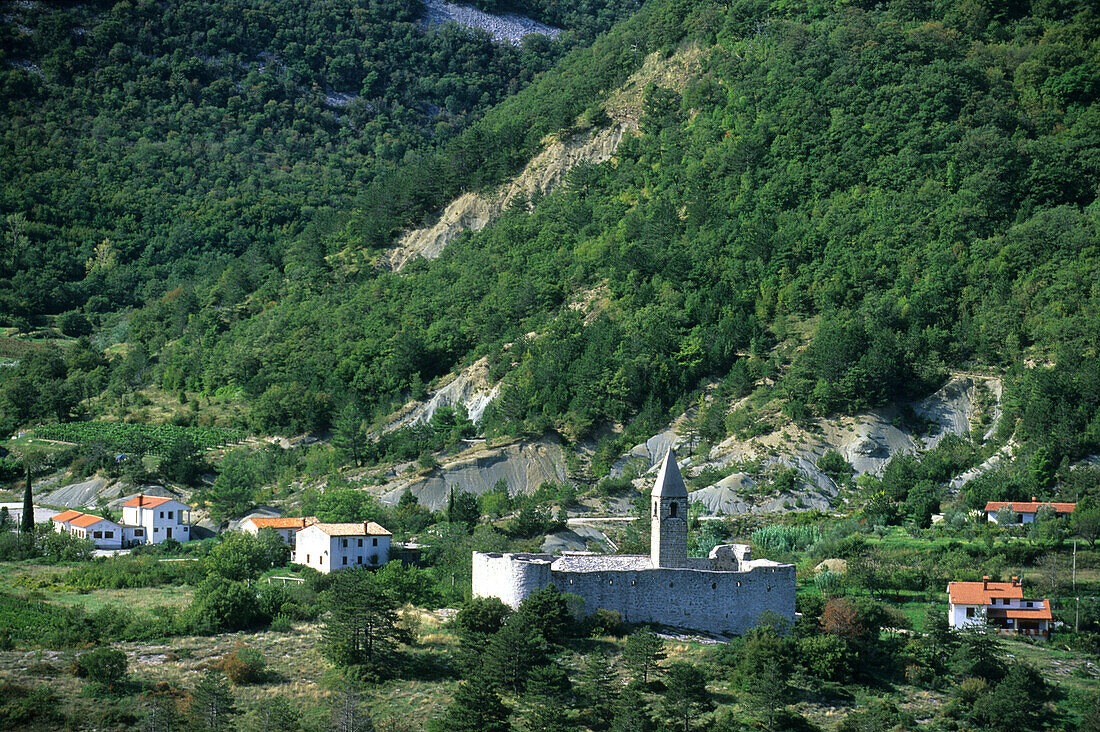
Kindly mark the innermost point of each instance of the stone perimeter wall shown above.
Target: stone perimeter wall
(707, 600)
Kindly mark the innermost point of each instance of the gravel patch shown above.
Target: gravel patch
(503, 28)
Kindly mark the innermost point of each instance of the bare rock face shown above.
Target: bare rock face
(474, 211)
(867, 441)
(524, 466)
(470, 387)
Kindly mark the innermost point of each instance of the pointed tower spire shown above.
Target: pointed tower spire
(670, 484)
(668, 524)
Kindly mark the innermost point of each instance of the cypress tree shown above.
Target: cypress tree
(27, 525)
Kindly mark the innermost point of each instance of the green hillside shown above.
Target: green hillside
(910, 186)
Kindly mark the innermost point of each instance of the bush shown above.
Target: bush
(21, 706)
(104, 665)
(827, 657)
(604, 622)
(281, 624)
(243, 665)
(221, 605)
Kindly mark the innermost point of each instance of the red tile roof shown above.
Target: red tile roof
(143, 501)
(295, 522)
(359, 529)
(1029, 506)
(1039, 613)
(1043, 612)
(982, 593)
(87, 520)
(66, 516)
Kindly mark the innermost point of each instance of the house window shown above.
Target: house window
(156, 529)
(109, 534)
(162, 514)
(139, 532)
(374, 559)
(970, 612)
(307, 559)
(374, 542)
(359, 560)
(345, 543)
(97, 534)
(169, 514)
(1030, 605)
(345, 560)
(360, 542)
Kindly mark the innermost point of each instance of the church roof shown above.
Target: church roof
(670, 484)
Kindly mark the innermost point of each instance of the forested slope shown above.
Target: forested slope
(911, 184)
(147, 146)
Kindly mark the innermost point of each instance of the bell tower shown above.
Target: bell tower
(668, 516)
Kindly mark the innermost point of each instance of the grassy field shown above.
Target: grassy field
(46, 582)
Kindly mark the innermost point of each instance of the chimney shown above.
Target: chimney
(141, 498)
(1015, 581)
(1034, 499)
(985, 582)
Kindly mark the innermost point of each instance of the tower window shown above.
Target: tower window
(672, 510)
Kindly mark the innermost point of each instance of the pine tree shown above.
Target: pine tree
(212, 706)
(544, 700)
(642, 652)
(596, 691)
(348, 714)
(631, 713)
(511, 654)
(362, 626)
(348, 433)
(475, 708)
(686, 695)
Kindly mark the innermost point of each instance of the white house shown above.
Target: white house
(998, 605)
(104, 534)
(287, 528)
(159, 518)
(1026, 510)
(326, 547)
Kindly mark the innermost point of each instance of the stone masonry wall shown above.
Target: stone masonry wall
(511, 577)
(696, 598)
(717, 602)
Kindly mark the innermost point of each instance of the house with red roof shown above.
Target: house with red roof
(104, 533)
(998, 605)
(1027, 510)
(287, 527)
(153, 519)
(327, 547)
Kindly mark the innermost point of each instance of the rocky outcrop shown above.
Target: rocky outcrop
(470, 387)
(475, 211)
(524, 466)
(867, 441)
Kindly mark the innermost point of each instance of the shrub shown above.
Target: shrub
(281, 624)
(21, 706)
(104, 665)
(827, 657)
(243, 665)
(604, 622)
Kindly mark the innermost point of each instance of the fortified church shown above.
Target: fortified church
(723, 593)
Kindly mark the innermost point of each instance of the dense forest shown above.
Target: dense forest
(150, 146)
(910, 184)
